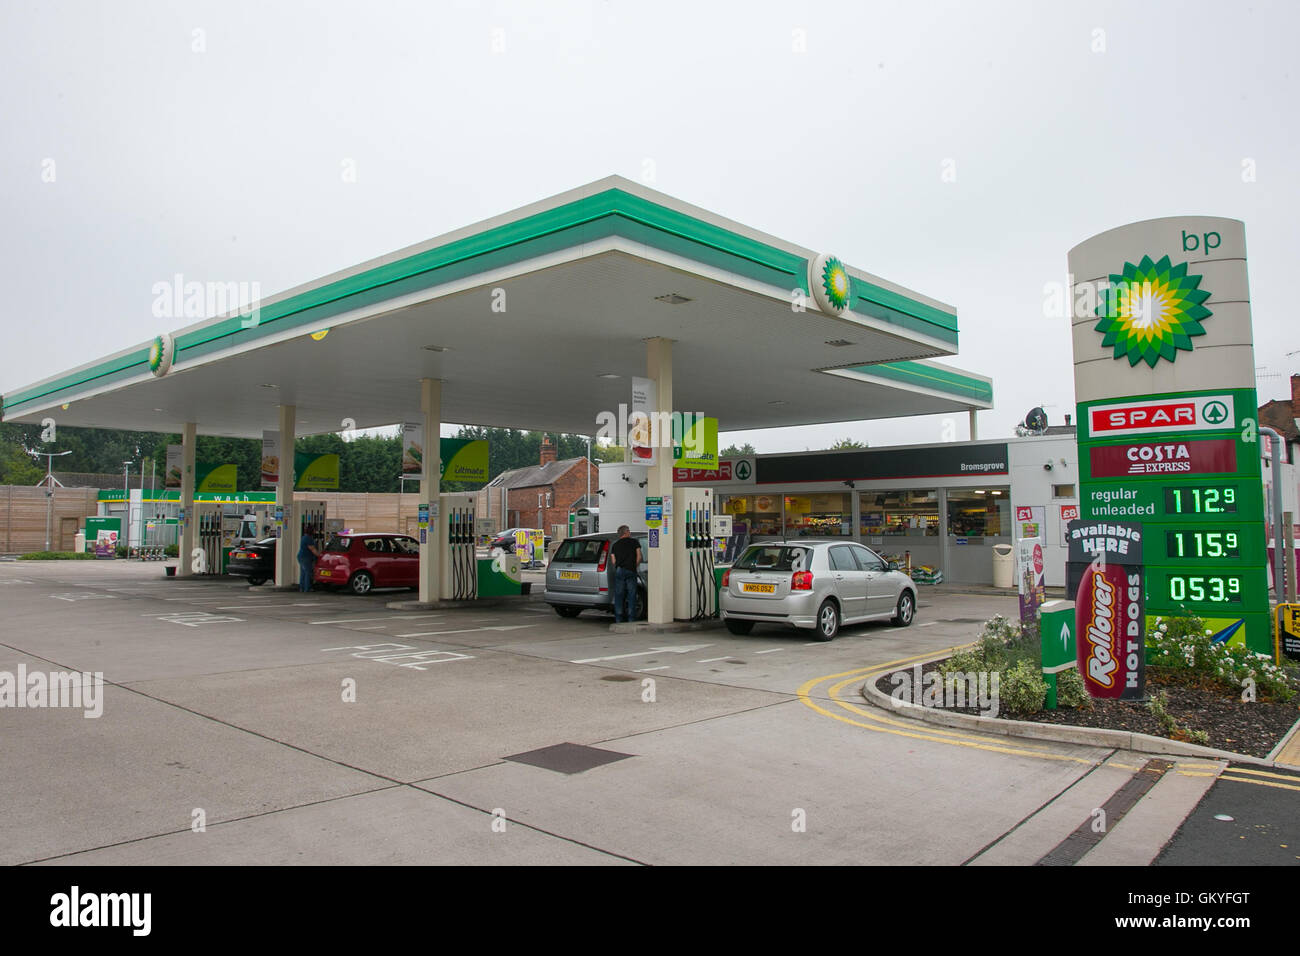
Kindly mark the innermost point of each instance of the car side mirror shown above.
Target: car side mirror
(893, 565)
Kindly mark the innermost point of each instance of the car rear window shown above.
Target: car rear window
(339, 545)
(775, 558)
(580, 551)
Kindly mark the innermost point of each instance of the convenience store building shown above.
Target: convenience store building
(944, 505)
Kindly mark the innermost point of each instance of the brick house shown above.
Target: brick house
(540, 496)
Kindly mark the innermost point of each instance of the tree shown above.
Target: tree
(736, 451)
(845, 444)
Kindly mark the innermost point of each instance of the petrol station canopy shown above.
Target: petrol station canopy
(539, 319)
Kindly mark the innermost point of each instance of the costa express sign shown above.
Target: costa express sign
(1109, 623)
(1207, 456)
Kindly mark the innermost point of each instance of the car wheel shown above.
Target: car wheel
(361, 582)
(906, 609)
(642, 605)
(739, 627)
(256, 581)
(828, 621)
(566, 611)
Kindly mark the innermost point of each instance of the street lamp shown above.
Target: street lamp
(49, 481)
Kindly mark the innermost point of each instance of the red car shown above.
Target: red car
(362, 561)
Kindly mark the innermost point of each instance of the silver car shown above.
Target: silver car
(814, 584)
(581, 575)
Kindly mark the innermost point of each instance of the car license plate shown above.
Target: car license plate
(570, 575)
(758, 588)
(325, 574)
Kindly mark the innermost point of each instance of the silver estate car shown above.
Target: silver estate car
(818, 584)
(581, 575)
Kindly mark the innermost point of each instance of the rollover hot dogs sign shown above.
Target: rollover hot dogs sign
(1106, 575)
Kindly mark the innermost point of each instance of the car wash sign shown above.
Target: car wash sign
(1106, 577)
(1164, 378)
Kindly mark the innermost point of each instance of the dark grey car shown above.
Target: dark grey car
(581, 575)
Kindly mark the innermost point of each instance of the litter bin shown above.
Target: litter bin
(1004, 566)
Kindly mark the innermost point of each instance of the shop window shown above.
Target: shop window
(1062, 491)
(752, 515)
(818, 515)
(983, 513)
(904, 513)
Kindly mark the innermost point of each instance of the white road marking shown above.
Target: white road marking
(770, 651)
(77, 596)
(383, 617)
(648, 669)
(710, 660)
(466, 630)
(388, 653)
(928, 624)
(679, 649)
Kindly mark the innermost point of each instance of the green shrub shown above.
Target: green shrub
(1022, 689)
(1070, 690)
(55, 556)
(172, 551)
(1181, 646)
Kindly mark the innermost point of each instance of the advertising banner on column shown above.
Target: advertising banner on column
(412, 448)
(1106, 576)
(695, 442)
(270, 459)
(175, 458)
(641, 438)
(1164, 378)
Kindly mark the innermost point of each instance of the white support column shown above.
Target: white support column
(286, 551)
(189, 530)
(431, 407)
(974, 431)
(659, 368)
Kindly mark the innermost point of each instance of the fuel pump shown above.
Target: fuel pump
(309, 513)
(208, 517)
(693, 593)
(459, 561)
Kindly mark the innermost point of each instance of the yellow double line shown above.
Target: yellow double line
(907, 728)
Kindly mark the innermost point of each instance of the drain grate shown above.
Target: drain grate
(568, 758)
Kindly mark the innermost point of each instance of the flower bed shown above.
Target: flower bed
(1199, 692)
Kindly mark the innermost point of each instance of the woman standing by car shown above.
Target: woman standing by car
(308, 552)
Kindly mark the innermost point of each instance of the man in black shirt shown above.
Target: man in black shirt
(627, 558)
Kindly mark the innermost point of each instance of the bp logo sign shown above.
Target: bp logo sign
(1151, 311)
(830, 284)
(161, 352)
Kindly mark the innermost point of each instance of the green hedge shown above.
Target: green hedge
(55, 556)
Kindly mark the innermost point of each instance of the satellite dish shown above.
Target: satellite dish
(1036, 420)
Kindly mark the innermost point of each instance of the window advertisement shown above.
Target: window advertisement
(979, 514)
(818, 515)
(898, 513)
(759, 514)
(1164, 380)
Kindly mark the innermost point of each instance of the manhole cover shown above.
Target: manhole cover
(618, 677)
(567, 758)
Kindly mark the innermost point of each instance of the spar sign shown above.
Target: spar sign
(1106, 576)
(1184, 414)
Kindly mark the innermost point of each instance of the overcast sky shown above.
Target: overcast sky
(146, 139)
